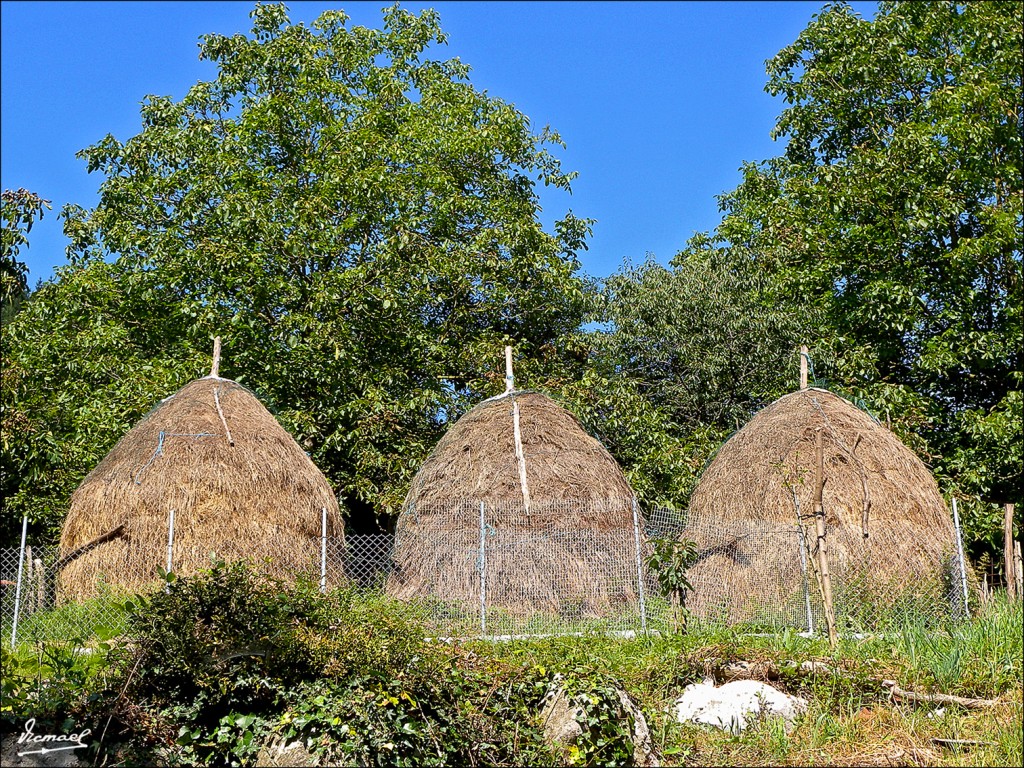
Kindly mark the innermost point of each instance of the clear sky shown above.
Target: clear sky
(659, 102)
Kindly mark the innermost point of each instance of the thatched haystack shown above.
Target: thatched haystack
(564, 545)
(743, 513)
(239, 486)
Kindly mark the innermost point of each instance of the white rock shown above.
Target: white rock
(737, 705)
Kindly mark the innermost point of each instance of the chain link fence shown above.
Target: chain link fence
(508, 569)
(495, 572)
(764, 574)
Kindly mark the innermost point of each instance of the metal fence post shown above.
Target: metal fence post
(170, 548)
(21, 571)
(639, 568)
(323, 550)
(960, 556)
(483, 572)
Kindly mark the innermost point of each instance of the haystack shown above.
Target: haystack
(557, 517)
(888, 531)
(239, 486)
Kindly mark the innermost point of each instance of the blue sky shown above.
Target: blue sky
(659, 103)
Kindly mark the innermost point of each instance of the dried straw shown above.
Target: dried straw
(256, 495)
(572, 550)
(869, 476)
(476, 459)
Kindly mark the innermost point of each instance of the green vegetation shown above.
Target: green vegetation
(19, 210)
(361, 226)
(223, 664)
(892, 226)
(102, 617)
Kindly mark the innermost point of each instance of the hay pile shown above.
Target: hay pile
(570, 552)
(240, 487)
(752, 488)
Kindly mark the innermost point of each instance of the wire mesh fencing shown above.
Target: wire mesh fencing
(766, 574)
(477, 569)
(514, 569)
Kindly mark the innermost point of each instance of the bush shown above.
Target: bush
(231, 659)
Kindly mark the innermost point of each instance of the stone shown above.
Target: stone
(643, 748)
(558, 718)
(737, 705)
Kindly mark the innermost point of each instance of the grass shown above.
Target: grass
(98, 618)
(851, 719)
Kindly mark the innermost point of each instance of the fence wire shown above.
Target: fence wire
(764, 574)
(566, 567)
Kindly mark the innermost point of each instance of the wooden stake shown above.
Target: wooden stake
(937, 698)
(1012, 588)
(104, 537)
(40, 584)
(803, 366)
(517, 434)
(216, 359)
(819, 524)
(509, 379)
(520, 456)
(220, 412)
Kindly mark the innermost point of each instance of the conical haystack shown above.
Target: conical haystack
(744, 514)
(556, 516)
(238, 484)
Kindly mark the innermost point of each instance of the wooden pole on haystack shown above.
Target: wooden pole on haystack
(510, 382)
(516, 431)
(803, 366)
(825, 577)
(1013, 589)
(215, 374)
(215, 367)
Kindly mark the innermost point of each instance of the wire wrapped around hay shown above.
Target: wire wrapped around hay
(568, 550)
(239, 485)
(743, 512)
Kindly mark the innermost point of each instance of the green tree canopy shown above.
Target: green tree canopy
(894, 217)
(356, 220)
(701, 338)
(19, 210)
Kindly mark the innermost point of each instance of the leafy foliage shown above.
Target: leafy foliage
(230, 660)
(356, 220)
(47, 682)
(703, 338)
(84, 359)
(669, 561)
(19, 210)
(606, 727)
(893, 220)
(662, 466)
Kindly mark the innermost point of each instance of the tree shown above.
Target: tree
(894, 216)
(19, 210)
(82, 362)
(355, 219)
(701, 338)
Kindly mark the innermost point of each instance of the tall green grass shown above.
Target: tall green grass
(99, 618)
